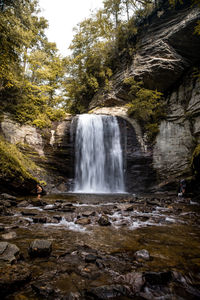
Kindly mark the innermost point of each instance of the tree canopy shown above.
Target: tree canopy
(31, 71)
(37, 85)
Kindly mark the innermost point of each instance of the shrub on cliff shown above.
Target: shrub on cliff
(146, 106)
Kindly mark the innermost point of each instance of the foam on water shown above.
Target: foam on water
(70, 225)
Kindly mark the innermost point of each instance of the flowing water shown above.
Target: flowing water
(99, 159)
(165, 226)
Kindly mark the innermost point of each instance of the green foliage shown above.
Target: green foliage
(87, 67)
(146, 106)
(98, 46)
(13, 163)
(20, 29)
(31, 71)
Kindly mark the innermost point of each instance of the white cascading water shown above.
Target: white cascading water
(99, 159)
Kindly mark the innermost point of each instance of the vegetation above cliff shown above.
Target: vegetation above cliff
(37, 85)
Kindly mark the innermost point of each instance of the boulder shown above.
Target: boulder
(135, 280)
(104, 221)
(107, 292)
(83, 221)
(88, 213)
(9, 236)
(142, 255)
(40, 248)
(9, 253)
(90, 258)
(7, 197)
(39, 219)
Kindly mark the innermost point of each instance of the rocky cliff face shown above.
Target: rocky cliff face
(166, 52)
(166, 49)
(51, 149)
(180, 132)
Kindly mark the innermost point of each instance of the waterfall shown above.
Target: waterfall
(98, 155)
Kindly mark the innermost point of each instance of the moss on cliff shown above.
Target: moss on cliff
(15, 168)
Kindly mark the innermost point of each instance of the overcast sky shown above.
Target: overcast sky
(62, 16)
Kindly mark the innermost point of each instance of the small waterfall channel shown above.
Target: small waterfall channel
(98, 155)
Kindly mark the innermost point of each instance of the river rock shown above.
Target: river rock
(88, 213)
(83, 221)
(39, 219)
(67, 207)
(50, 207)
(107, 292)
(135, 280)
(44, 290)
(40, 248)
(104, 221)
(9, 252)
(142, 255)
(90, 258)
(23, 204)
(37, 202)
(7, 197)
(29, 212)
(9, 235)
(126, 207)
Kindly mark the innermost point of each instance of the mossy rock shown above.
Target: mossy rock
(15, 170)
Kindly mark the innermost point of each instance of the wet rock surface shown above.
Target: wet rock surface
(9, 253)
(150, 250)
(40, 248)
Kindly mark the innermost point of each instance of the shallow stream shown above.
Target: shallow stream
(165, 226)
